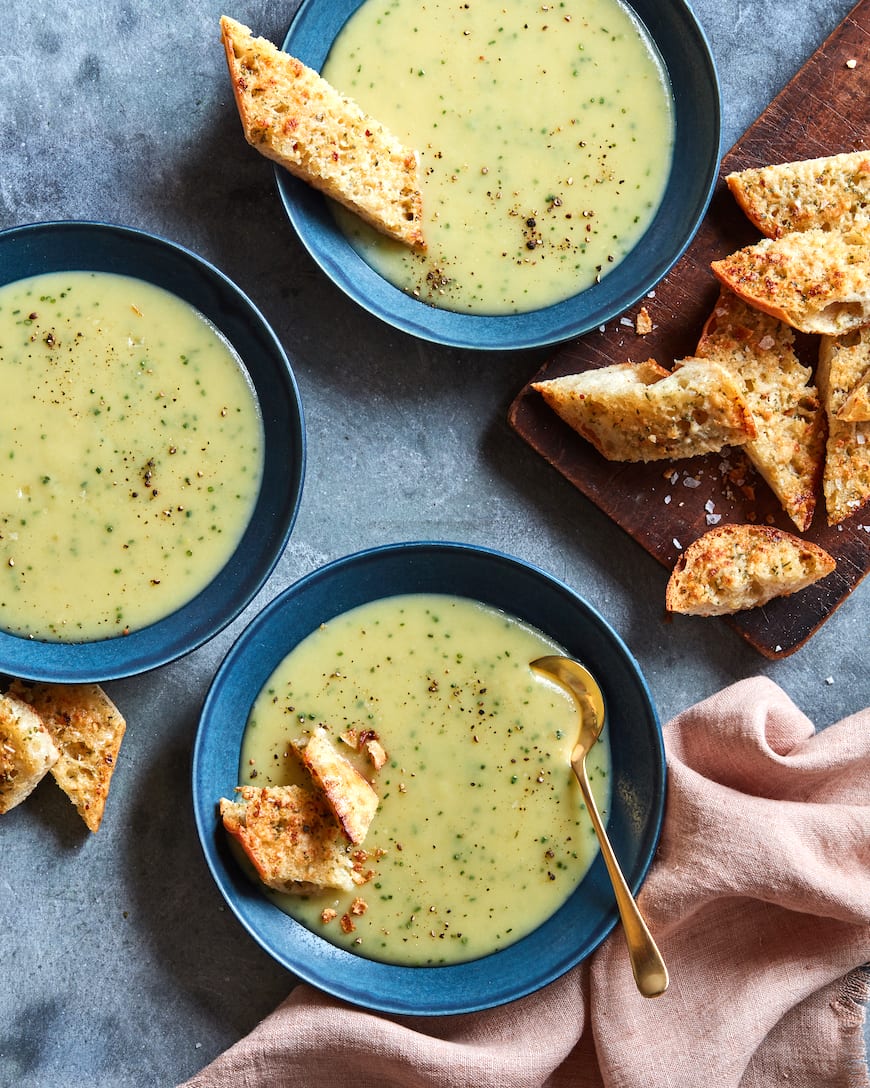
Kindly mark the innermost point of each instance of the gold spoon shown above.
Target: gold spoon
(650, 972)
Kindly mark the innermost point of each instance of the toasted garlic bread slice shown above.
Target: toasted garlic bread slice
(789, 449)
(734, 567)
(846, 480)
(831, 193)
(642, 412)
(291, 839)
(350, 797)
(27, 752)
(817, 281)
(294, 117)
(87, 729)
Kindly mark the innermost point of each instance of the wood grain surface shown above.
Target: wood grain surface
(666, 505)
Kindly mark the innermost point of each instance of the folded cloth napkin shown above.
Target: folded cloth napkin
(759, 898)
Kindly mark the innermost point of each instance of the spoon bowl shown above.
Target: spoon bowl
(647, 964)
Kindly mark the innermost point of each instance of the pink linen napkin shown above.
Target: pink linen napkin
(759, 898)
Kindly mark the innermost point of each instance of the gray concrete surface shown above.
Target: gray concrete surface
(120, 965)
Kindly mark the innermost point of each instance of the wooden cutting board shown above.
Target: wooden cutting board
(664, 506)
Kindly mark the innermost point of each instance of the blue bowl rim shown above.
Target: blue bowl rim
(148, 648)
(441, 990)
(689, 191)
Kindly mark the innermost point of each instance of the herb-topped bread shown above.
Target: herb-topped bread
(642, 412)
(87, 729)
(789, 448)
(291, 115)
(27, 752)
(291, 838)
(831, 193)
(817, 281)
(734, 567)
(842, 369)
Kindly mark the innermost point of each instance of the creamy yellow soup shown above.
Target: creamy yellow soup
(545, 134)
(131, 453)
(480, 833)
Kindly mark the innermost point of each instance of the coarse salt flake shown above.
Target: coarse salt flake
(766, 343)
(690, 481)
(713, 519)
(829, 679)
(667, 500)
(709, 506)
(677, 544)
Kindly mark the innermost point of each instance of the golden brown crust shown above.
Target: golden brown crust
(27, 752)
(642, 412)
(294, 117)
(734, 567)
(816, 281)
(789, 449)
(290, 837)
(350, 797)
(87, 729)
(831, 193)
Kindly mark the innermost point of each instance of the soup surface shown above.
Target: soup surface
(130, 454)
(481, 833)
(545, 134)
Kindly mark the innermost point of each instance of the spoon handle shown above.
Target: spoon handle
(647, 965)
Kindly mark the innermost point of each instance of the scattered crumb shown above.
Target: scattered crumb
(643, 324)
(327, 915)
(851, 64)
(347, 924)
(359, 907)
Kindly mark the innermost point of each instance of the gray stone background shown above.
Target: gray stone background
(120, 964)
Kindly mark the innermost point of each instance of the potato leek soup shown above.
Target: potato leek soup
(480, 832)
(545, 134)
(131, 454)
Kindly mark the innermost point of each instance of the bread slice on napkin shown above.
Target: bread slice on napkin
(87, 729)
(292, 115)
(831, 193)
(642, 412)
(291, 838)
(734, 567)
(815, 280)
(27, 752)
(842, 367)
(789, 448)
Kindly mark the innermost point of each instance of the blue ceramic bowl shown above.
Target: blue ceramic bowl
(76, 246)
(638, 773)
(697, 107)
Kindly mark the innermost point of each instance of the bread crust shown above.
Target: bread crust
(832, 193)
(643, 412)
(817, 281)
(293, 116)
(789, 448)
(734, 567)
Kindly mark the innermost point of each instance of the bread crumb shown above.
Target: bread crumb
(327, 915)
(643, 324)
(851, 64)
